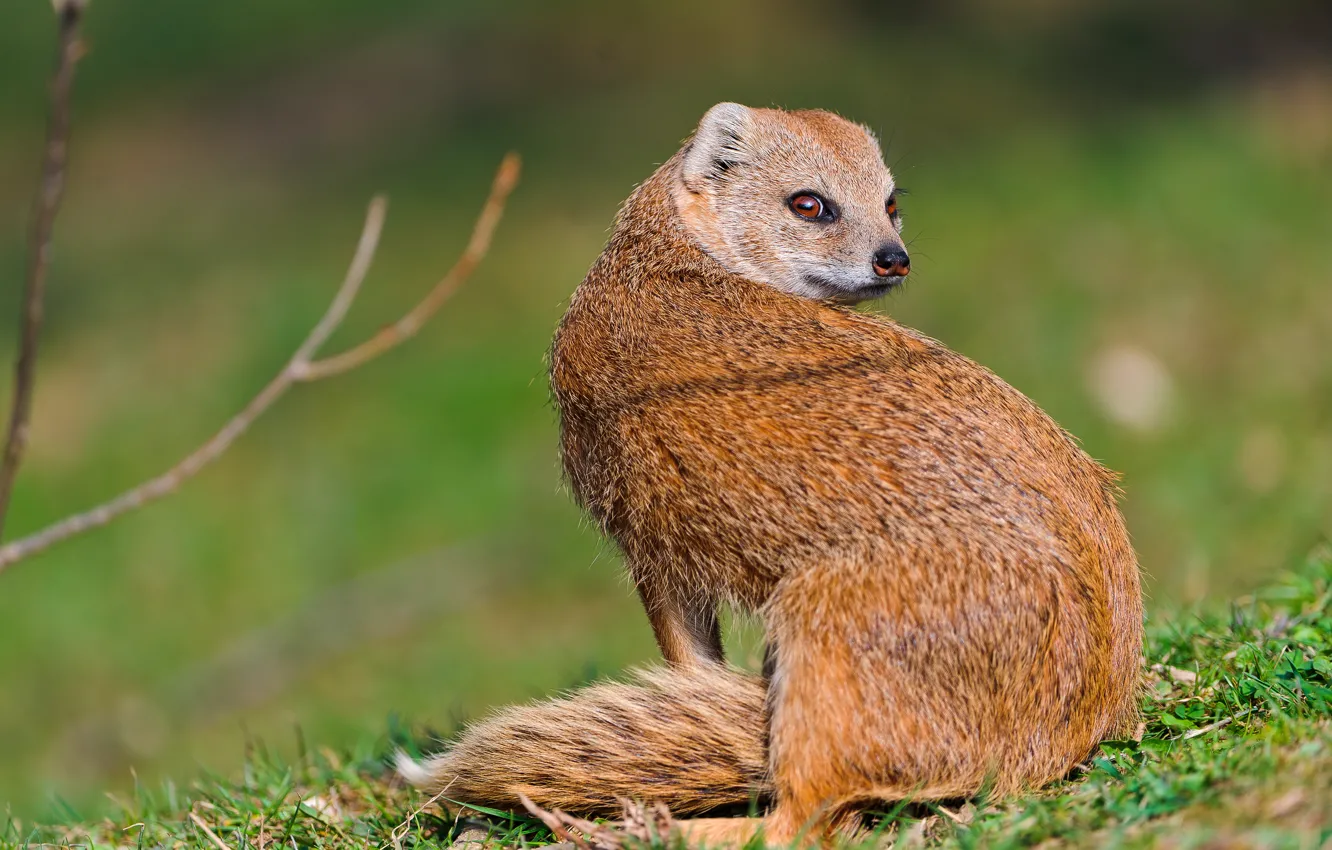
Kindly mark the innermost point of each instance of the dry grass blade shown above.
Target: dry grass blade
(212, 836)
(45, 207)
(565, 827)
(1212, 727)
(400, 831)
(640, 826)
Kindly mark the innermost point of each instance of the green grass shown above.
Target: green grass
(1236, 745)
(1235, 750)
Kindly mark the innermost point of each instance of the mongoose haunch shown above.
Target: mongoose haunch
(948, 590)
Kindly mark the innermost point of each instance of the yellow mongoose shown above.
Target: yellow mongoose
(949, 593)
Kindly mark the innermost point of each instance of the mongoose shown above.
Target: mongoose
(948, 590)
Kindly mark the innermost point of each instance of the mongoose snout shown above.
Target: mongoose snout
(891, 261)
(800, 202)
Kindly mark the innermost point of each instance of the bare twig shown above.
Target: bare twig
(298, 368)
(406, 327)
(44, 209)
(209, 451)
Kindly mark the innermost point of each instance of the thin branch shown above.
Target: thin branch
(298, 368)
(44, 209)
(209, 451)
(405, 328)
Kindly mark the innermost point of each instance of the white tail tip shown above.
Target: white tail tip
(415, 773)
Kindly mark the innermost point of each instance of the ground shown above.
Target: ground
(1235, 750)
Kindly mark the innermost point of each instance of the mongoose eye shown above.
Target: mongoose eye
(808, 206)
(891, 206)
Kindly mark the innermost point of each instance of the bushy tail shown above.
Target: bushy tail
(691, 738)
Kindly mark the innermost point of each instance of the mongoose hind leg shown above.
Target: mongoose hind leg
(687, 630)
(868, 702)
(718, 832)
(734, 833)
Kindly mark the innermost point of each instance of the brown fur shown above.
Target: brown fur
(949, 592)
(693, 736)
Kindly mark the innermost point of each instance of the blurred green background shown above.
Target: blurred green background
(1123, 208)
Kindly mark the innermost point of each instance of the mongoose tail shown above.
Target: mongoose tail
(691, 738)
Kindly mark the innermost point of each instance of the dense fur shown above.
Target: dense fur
(948, 588)
(742, 165)
(691, 738)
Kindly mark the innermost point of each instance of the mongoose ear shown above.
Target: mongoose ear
(718, 145)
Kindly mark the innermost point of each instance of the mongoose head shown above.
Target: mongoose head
(799, 200)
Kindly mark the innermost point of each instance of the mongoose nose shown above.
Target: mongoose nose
(892, 262)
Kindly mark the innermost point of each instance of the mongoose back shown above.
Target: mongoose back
(949, 594)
